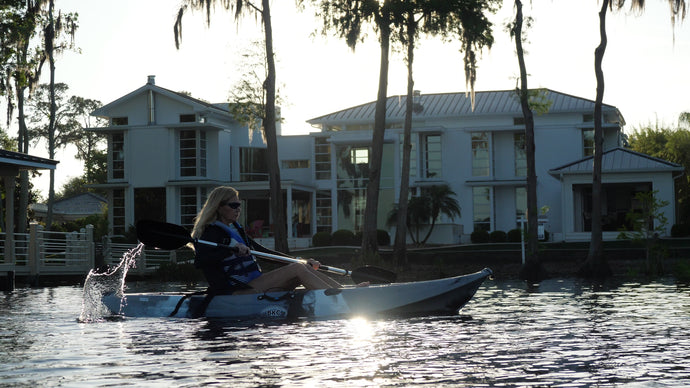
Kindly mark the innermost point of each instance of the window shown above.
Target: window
(359, 156)
(324, 211)
(191, 200)
(117, 155)
(149, 203)
(119, 212)
(520, 202)
(588, 142)
(322, 158)
(188, 118)
(520, 154)
(287, 164)
(119, 121)
(481, 162)
(253, 164)
(192, 153)
(481, 205)
(413, 155)
(432, 156)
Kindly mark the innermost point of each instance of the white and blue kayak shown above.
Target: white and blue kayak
(432, 297)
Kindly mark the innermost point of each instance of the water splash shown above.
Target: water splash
(97, 285)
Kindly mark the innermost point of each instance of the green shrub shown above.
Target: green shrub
(382, 238)
(497, 236)
(479, 237)
(321, 239)
(357, 241)
(514, 235)
(680, 230)
(343, 237)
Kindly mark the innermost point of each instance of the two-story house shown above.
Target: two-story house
(166, 150)
(480, 153)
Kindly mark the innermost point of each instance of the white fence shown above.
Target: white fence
(42, 252)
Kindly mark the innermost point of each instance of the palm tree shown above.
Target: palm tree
(347, 17)
(240, 8)
(532, 269)
(442, 201)
(56, 26)
(463, 20)
(434, 201)
(595, 265)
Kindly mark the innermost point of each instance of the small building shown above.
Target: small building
(71, 209)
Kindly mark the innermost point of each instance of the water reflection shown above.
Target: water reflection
(559, 332)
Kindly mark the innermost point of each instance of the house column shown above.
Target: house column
(289, 211)
(9, 219)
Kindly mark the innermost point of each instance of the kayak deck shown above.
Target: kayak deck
(431, 297)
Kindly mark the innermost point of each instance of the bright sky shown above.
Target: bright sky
(122, 42)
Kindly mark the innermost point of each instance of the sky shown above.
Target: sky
(123, 42)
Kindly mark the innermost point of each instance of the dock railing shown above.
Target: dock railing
(42, 252)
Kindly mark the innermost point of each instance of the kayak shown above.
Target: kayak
(431, 297)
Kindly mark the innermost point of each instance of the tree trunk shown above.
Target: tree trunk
(277, 203)
(369, 243)
(533, 268)
(50, 41)
(23, 147)
(400, 245)
(596, 265)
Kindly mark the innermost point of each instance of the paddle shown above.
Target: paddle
(169, 236)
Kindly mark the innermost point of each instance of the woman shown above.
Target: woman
(238, 271)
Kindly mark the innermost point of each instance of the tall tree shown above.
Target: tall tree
(21, 71)
(54, 30)
(672, 144)
(595, 265)
(90, 145)
(460, 20)
(532, 269)
(347, 19)
(240, 8)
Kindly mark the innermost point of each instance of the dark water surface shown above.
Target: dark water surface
(560, 333)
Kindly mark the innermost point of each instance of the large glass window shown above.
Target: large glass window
(117, 155)
(588, 142)
(324, 211)
(119, 227)
(322, 158)
(520, 154)
(481, 161)
(432, 156)
(413, 155)
(192, 153)
(253, 164)
(191, 200)
(481, 205)
(520, 202)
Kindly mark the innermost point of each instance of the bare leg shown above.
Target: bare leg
(292, 275)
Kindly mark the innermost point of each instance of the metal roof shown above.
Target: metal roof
(25, 161)
(618, 160)
(459, 104)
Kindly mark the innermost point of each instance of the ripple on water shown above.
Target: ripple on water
(561, 332)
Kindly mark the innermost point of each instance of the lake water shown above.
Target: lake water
(560, 333)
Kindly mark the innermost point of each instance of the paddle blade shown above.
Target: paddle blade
(373, 275)
(162, 235)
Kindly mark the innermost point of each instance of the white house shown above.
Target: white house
(167, 150)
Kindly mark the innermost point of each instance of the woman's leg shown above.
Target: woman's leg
(291, 276)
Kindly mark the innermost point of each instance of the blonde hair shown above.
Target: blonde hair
(209, 213)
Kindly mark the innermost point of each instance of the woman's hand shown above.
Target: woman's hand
(313, 263)
(242, 250)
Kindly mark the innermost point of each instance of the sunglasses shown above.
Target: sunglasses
(232, 205)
